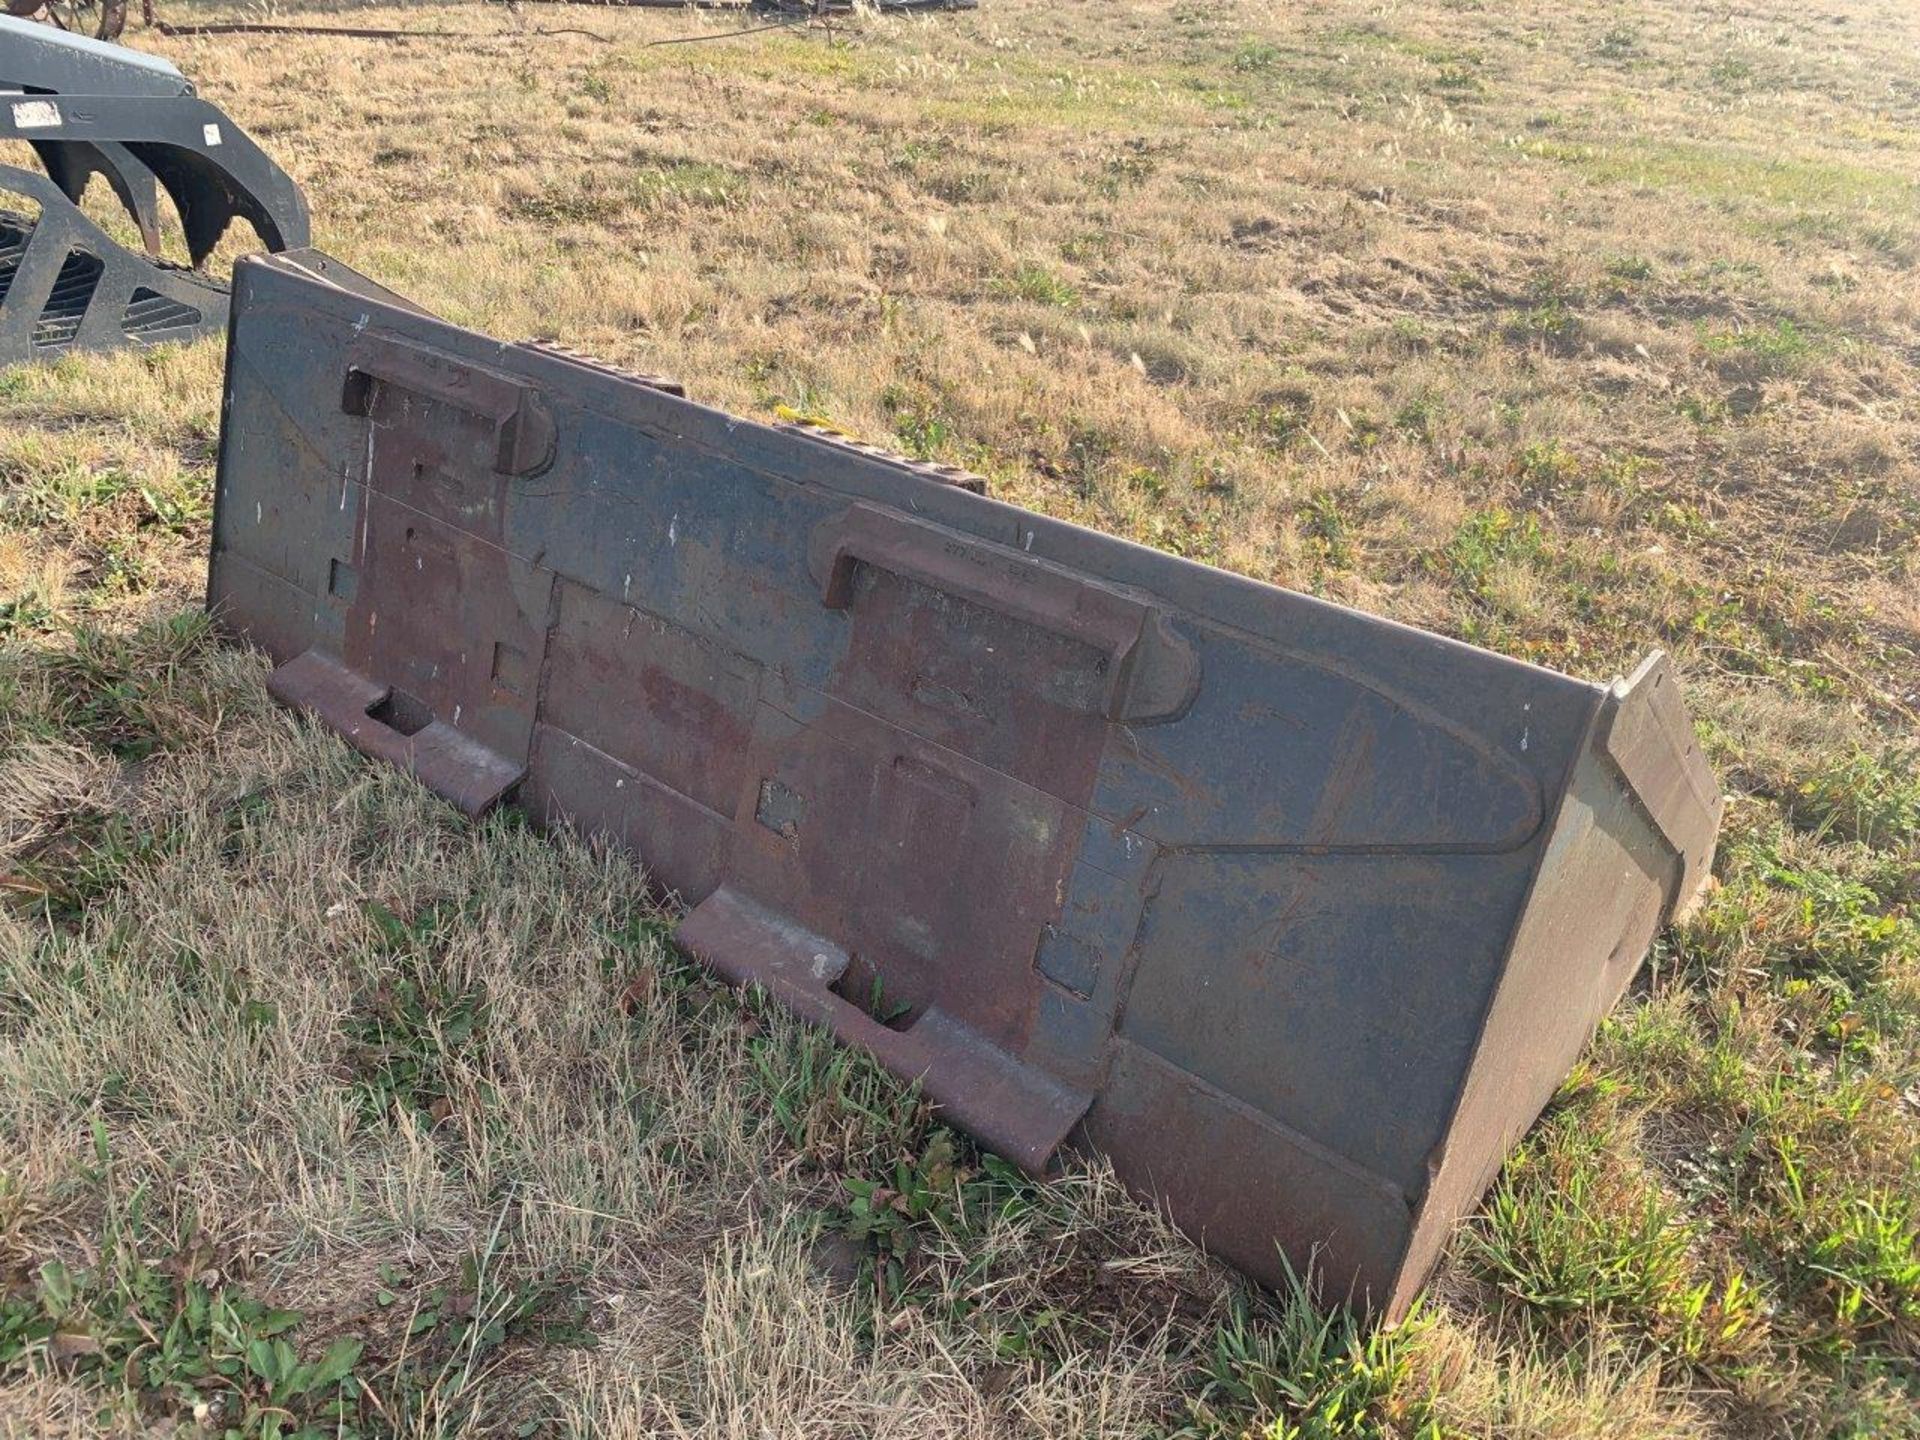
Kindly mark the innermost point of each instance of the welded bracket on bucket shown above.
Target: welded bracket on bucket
(1297, 915)
(1014, 1108)
(1149, 671)
(390, 726)
(522, 429)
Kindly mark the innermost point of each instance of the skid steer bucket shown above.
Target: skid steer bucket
(88, 108)
(1297, 914)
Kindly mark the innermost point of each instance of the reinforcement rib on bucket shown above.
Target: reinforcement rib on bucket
(1297, 914)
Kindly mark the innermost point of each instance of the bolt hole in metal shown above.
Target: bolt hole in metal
(401, 712)
(343, 580)
(861, 985)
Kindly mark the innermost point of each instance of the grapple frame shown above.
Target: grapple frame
(88, 108)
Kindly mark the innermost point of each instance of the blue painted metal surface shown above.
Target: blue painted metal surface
(1297, 914)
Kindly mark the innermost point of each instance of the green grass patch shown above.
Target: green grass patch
(1041, 286)
(1772, 188)
(416, 1039)
(1484, 542)
(129, 694)
(164, 1347)
(1874, 799)
(217, 1357)
(1579, 1234)
(836, 1107)
(1303, 1370)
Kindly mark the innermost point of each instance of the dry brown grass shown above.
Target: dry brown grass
(1569, 331)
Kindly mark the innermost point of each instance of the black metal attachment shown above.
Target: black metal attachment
(86, 109)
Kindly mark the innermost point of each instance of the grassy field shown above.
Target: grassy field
(1570, 330)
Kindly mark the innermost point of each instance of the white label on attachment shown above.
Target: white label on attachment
(211, 134)
(36, 114)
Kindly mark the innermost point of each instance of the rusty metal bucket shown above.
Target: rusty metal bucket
(1297, 914)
